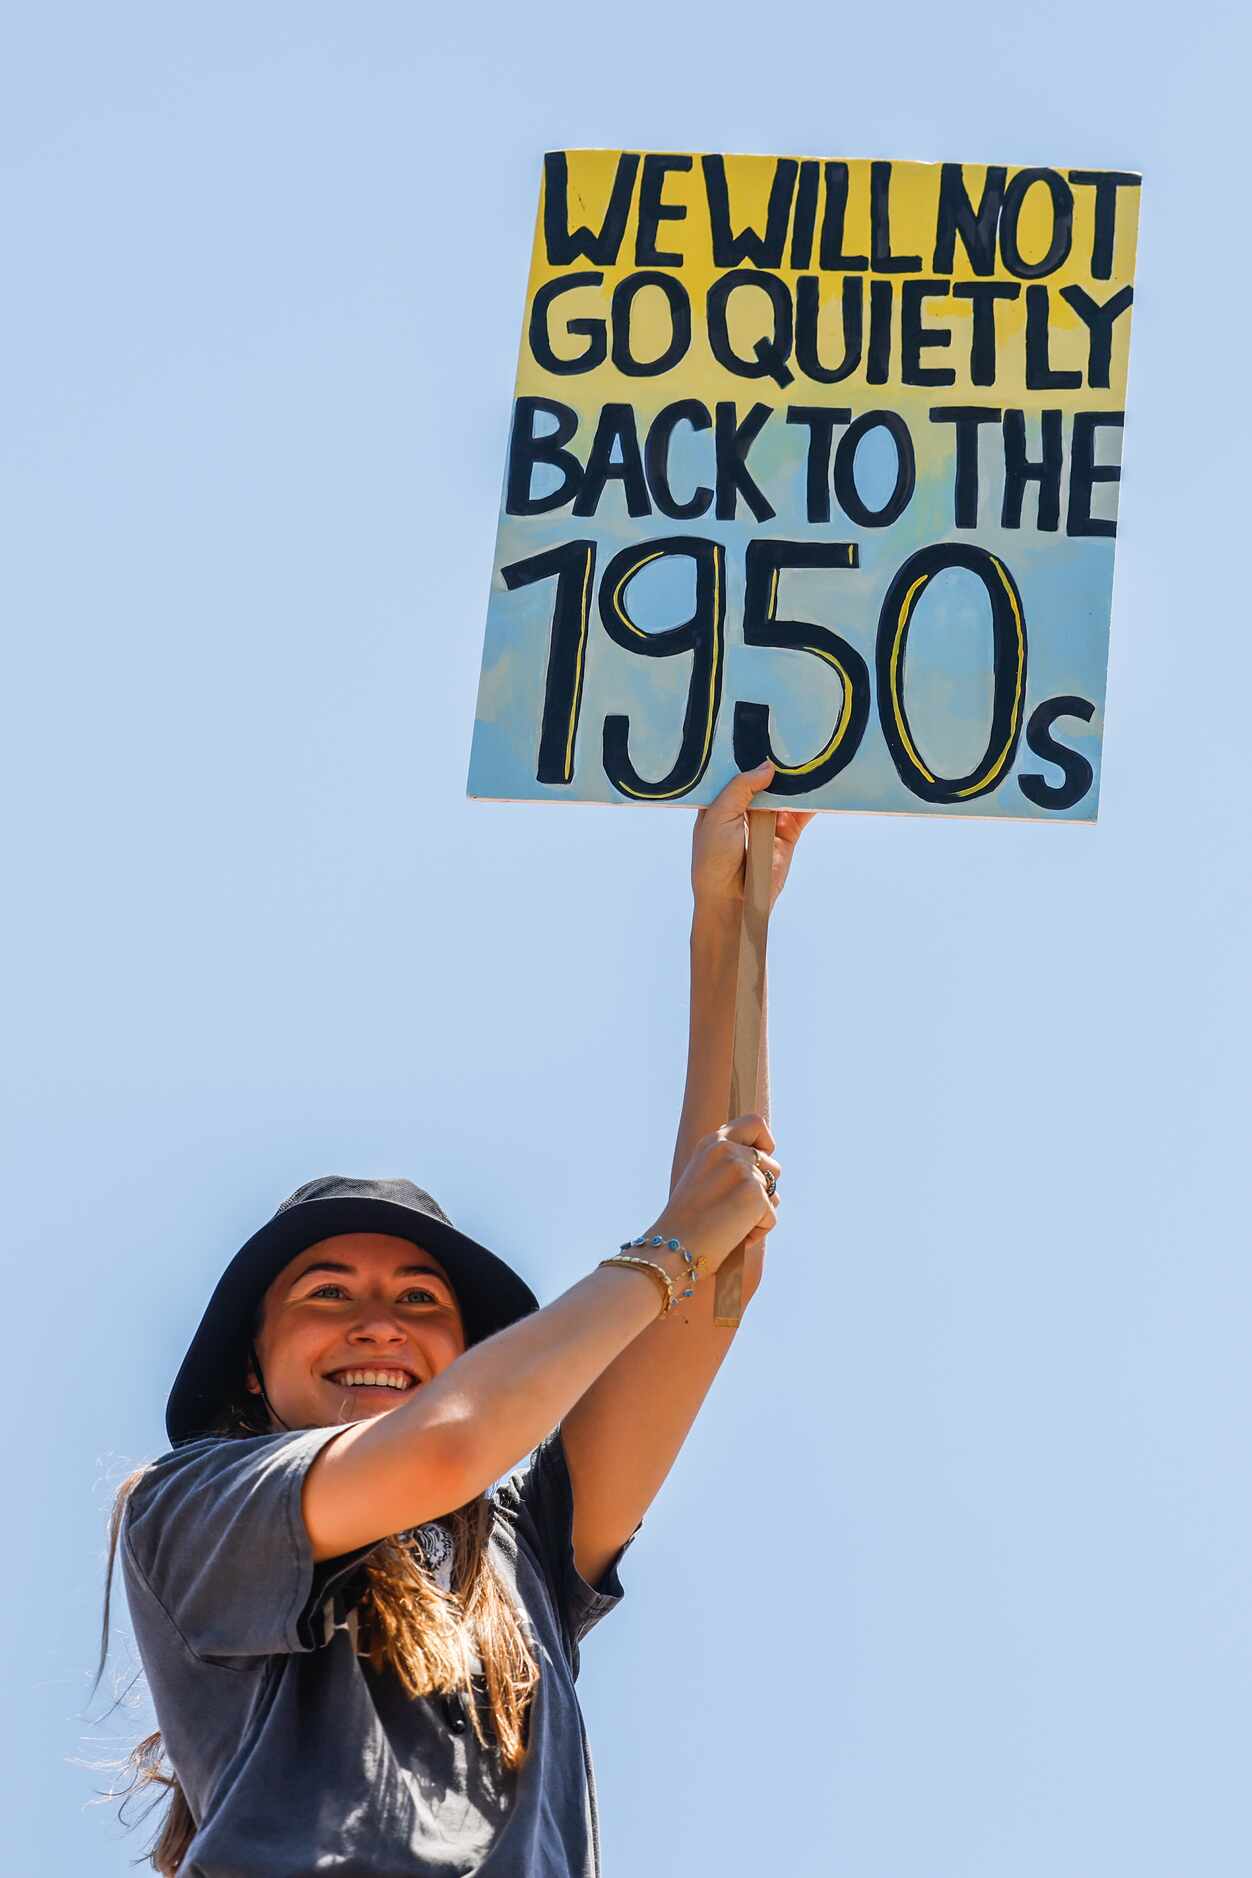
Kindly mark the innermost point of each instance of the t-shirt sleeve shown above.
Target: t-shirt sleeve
(215, 1533)
(538, 1498)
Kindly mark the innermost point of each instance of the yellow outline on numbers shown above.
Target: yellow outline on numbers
(897, 701)
(845, 709)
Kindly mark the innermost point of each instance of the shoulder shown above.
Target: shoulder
(534, 1488)
(535, 1505)
(218, 1481)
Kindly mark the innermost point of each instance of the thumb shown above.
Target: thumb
(740, 790)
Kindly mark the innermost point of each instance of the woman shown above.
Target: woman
(362, 1654)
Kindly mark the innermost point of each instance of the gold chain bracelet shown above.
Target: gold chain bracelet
(649, 1265)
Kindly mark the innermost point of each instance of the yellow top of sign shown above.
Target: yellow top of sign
(921, 267)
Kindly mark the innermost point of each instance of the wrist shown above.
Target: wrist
(667, 1276)
(715, 930)
(680, 1261)
(715, 912)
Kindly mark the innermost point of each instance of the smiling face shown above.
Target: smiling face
(352, 1326)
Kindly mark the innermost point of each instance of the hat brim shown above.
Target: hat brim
(489, 1292)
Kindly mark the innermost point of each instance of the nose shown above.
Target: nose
(376, 1326)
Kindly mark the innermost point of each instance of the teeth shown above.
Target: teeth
(373, 1378)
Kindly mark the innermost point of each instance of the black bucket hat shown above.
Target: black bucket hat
(489, 1292)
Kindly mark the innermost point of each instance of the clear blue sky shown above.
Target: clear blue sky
(951, 1580)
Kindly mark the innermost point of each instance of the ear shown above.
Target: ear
(252, 1380)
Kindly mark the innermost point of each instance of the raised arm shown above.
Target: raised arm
(623, 1436)
(718, 850)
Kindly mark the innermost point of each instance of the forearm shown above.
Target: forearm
(625, 1433)
(714, 952)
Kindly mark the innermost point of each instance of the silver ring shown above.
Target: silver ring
(771, 1182)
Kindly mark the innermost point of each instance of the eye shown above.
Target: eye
(414, 1291)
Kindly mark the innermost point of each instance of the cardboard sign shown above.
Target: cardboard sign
(814, 460)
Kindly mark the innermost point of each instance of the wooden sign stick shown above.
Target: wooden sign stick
(749, 1006)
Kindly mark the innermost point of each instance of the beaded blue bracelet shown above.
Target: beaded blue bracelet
(673, 1245)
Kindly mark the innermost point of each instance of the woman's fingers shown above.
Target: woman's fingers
(763, 1228)
(791, 824)
(758, 1158)
(752, 1130)
(753, 1133)
(739, 791)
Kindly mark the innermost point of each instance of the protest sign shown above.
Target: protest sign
(814, 460)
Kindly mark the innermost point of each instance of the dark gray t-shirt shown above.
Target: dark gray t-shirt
(294, 1754)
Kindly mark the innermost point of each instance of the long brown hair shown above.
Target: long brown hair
(406, 1621)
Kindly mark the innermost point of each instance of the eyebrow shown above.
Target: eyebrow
(401, 1271)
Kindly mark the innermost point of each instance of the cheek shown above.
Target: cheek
(288, 1359)
(442, 1342)
(454, 1341)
